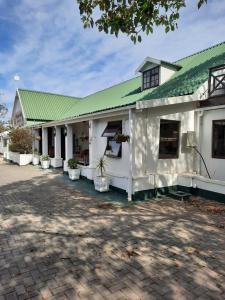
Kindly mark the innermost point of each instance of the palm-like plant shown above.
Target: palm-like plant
(101, 165)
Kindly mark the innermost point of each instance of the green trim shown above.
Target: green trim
(116, 189)
(149, 194)
(209, 195)
(113, 188)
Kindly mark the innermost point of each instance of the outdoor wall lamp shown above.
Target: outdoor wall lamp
(54, 131)
(65, 131)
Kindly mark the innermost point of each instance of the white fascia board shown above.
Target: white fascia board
(200, 95)
(24, 117)
(217, 107)
(166, 101)
(98, 115)
(146, 60)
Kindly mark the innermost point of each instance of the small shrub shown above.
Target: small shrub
(72, 163)
(45, 157)
(20, 140)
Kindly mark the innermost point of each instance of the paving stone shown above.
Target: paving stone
(57, 243)
(20, 289)
(11, 296)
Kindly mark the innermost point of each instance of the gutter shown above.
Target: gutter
(166, 101)
(97, 115)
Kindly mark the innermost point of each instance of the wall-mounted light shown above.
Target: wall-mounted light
(65, 131)
(54, 131)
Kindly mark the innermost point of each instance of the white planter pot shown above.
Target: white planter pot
(24, 159)
(36, 160)
(45, 164)
(56, 162)
(74, 174)
(101, 184)
(20, 159)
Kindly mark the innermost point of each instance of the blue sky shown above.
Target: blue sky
(44, 42)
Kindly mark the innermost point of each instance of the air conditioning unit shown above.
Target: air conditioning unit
(191, 140)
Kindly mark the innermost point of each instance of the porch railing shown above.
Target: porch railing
(216, 81)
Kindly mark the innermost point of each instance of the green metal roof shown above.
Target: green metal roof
(194, 72)
(122, 94)
(45, 106)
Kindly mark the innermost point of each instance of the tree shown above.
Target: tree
(3, 110)
(21, 140)
(2, 127)
(130, 16)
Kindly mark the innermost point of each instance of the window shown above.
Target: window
(113, 148)
(218, 139)
(151, 78)
(169, 139)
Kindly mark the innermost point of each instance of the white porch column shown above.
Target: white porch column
(35, 140)
(57, 162)
(68, 146)
(131, 133)
(92, 150)
(91, 143)
(58, 142)
(44, 141)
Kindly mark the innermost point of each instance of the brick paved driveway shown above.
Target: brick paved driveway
(58, 243)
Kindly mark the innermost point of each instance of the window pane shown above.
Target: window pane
(112, 129)
(151, 78)
(169, 139)
(113, 148)
(218, 145)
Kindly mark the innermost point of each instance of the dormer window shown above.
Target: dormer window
(151, 78)
(155, 72)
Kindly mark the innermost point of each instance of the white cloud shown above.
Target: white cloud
(54, 52)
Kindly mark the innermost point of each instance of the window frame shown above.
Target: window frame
(148, 85)
(164, 156)
(213, 140)
(110, 138)
(119, 155)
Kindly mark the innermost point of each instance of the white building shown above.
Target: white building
(168, 111)
(4, 143)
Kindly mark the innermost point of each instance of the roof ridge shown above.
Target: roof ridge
(43, 92)
(201, 51)
(111, 86)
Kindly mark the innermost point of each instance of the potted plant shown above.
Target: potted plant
(121, 138)
(36, 158)
(101, 182)
(45, 161)
(73, 170)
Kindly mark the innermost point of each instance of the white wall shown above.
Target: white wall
(17, 115)
(165, 74)
(116, 168)
(149, 171)
(216, 166)
(4, 142)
